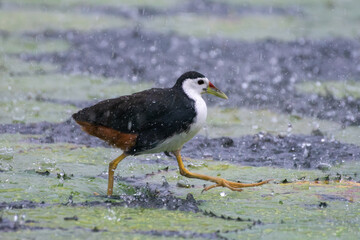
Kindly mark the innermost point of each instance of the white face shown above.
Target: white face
(195, 87)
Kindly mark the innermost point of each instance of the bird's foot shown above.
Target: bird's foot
(234, 186)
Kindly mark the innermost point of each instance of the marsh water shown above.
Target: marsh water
(291, 71)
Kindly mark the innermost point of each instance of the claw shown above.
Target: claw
(210, 187)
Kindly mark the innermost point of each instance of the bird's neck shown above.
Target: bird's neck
(193, 94)
(200, 107)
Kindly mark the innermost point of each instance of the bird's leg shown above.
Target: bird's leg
(112, 166)
(220, 182)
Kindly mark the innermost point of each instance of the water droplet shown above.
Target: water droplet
(223, 194)
(289, 129)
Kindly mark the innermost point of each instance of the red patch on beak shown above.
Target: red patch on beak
(212, 85)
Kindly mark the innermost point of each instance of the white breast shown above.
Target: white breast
(200, 120)
(178, 140)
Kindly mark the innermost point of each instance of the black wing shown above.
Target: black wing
(153, 115)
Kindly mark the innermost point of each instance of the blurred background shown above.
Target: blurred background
(291, 57)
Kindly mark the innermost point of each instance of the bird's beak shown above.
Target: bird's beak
(215, 91)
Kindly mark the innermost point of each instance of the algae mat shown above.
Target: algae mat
(58, 190)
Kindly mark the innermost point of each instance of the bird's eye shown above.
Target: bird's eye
(200, 82)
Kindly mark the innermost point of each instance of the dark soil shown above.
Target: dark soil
(148, 199)
(215, 8)
(144, 198)
(182, 234)
(258, 74)
(21, 205)
(292, 151)
(6, 225)
(68, 131)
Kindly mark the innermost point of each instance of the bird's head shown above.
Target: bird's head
(196, 83)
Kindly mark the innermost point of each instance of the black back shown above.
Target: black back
(154, 115)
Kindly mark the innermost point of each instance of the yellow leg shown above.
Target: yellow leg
(220, 182)
(112, 166)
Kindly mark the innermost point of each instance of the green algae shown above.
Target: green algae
(37, 20)
(12, 66)
(29, 111)
(19, 44)
(66, 87)
(83, 166)
(336, 89)
(281, 208)
(126, 220)
(316, 20)
(249, 27)
(116, 3)
(324, 18)
(23, 97)
(79, 233)
(238, 122)
(349, 135)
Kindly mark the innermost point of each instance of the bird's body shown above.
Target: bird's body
(160, 120)
(151, 121)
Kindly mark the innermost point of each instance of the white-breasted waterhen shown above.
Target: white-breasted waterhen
(153, 121)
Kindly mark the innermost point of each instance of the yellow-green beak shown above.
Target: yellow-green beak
(215, 91)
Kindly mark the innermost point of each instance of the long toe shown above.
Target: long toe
(210, 187)
(234, 186)
(227, 184)
(242, 185)
(222, 184)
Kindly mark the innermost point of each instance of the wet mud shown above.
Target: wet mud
(260, 74)
(7, 225)
(329, 197)
(22, 204)
(285, 151)
(145, 197)
(68, 132)
(148, 199)
(293, 151)
(224, 9)
(182, 234)
(239, 219)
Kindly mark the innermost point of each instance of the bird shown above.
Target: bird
(154, 121)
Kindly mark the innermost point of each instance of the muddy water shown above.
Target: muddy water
(286, 151)
(258, 74)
